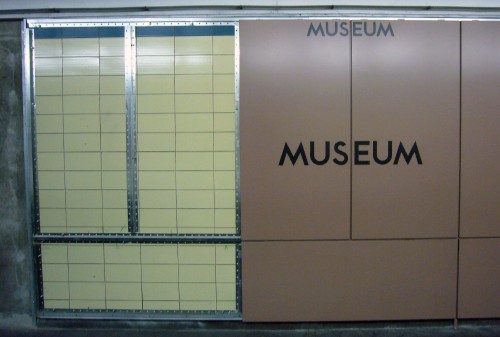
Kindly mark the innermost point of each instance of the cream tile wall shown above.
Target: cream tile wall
(186, 169)
(80, 131)
(186, 132)
(139, 276)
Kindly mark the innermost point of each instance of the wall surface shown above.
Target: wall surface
(14, 247)
(338, 222)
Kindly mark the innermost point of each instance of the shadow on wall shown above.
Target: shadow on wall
(14, 246)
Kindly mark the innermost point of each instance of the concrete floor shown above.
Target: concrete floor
(238, 329)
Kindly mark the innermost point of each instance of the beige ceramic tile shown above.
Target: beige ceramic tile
(224, 161)
(223, 44)
(155, 123)
(156, 142)
(114, 180)
(52, 180)
(84, 217)
(55, 272)
(52, 217)
(81, 123)
(226, 291)
(194, 180)
(111, 46)
(80, 47)
(156, 161)
(83, 199)
(197, 291)
(48, 104)
(225, 254)
(155, 84)
(223, 64)
(157, 199)
(86, 272)
(114, 199)
(159, 254)
(163, 103)
(114, 161)
(155, 65)
(112, 104)
(191, 103)
(52, 199)
(50, 161)
(196, 254)
(194, 123)
(49, 143)
(195, 218)
(193, 45)
(81, 85)
(225, 218)
(122, 253)
(81, 104)
(163, 45)
(86, 142)
(197, 273)
(193, 84)
(193, 64)
(48, 85)
(81, 66)
(123, 273)
(194, 142)
(82, 161)
(123, 291)
(111, 66)
(224, 122)
(48, 48)
(224, 103)
(112, 85)
(87, 290)
(48, 67)
(56, 290)
(160, 273)
(160, 291)
(54, 253)
(83, 180)
(85, 253)
(224, 141)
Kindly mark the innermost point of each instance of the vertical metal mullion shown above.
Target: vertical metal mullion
(237, 173)
(32, 213)
(131, 129)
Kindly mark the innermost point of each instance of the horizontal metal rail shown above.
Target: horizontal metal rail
(135, 238)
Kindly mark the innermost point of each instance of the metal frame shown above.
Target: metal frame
(29, 177)
(37, 239)
(131, 128)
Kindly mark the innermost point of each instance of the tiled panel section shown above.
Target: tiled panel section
(349, 280)
(143, 277)
(480, 161)
(479, 275)
(80, 131)
(406, 90)
(186, 132)
(294, 91)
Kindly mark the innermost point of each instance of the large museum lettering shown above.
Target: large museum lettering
(361, 153)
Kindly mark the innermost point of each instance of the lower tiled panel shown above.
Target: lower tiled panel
(349, 280)
(139, 276)
(479, 278)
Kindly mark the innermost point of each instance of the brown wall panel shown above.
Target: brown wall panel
(480, 185)
(479, 281)
(406, 88)
(349, 280)
(294, 89)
